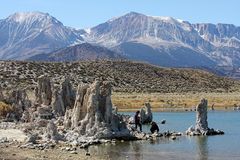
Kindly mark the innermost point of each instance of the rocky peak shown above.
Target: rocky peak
(219, 34)
(31, 17)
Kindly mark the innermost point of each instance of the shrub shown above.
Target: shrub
(5, 109)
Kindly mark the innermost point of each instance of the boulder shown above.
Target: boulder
(26, 117)
(52, 133)
(32, 138)
(44, 112)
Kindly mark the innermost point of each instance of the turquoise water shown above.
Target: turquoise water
(222, 147)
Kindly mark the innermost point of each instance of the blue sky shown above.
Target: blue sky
(88, 13)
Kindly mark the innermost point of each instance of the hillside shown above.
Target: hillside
(80, 52)
(126, 76)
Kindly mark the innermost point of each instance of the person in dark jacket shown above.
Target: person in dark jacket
(154, 127)
(137, 119)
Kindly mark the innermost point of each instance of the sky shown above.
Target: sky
(88, 13)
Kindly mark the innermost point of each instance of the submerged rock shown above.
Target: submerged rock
(201, 126)
(163, 121)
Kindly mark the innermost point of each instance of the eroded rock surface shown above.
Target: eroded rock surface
(52, 133)
(64, 98)
(92, 113)
(1, 95)
(146, 113)
(43, 91)
(201, 126)
(19, 101)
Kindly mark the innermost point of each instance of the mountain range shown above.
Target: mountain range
(162, 41)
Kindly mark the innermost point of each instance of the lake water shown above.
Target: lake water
(221, 147)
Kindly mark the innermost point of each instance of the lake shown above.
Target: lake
(221, 147)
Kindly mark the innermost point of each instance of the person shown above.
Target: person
(137, 119)
(154, 127)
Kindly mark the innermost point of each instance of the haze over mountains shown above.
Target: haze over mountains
(163, 41)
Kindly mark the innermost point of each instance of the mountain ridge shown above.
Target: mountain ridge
(167, 41)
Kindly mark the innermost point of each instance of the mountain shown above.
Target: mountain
(80, 52)
(26, 34)
(162, 41)
(167, 41)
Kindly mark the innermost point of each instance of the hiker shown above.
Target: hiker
(154, 127)
(137, 119)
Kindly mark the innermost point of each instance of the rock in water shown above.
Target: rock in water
(163, 121)
(201, 116)
(146, 113)
(43, 92)
(201, 126)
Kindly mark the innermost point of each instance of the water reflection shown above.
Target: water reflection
(202, 147)
(120, 150)
(185, 147)
(138, 151)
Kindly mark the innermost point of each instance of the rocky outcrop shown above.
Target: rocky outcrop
(1, 95)
(63, 99)
(43, 91)
(67, 119)
(44, 112)
(26, 117)
(68, 94)
(58, 105)
(92, 113)
(52, 133)
(201, 116)
(146, 114)
(201, 126)
(19, 101)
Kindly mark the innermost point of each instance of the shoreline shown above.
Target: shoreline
(12, 151)
(176, 110)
